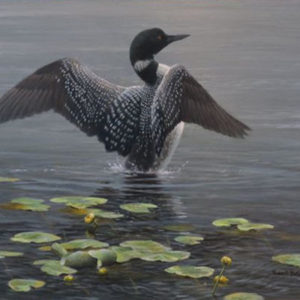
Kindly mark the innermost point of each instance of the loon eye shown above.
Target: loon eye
(159, 37)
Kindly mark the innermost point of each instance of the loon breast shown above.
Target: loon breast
(170, 145)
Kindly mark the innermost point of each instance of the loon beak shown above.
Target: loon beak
(174, 38)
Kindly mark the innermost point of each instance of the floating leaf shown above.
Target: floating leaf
(79, 259)
(254, 226)
(54, 267)
(138, 207)
(25, 285)
(59, 250)
(100, 213)
(288, 259)
(145, 245)
(79, 202)
(104, 257)
(34, 237)
(4, 253)
(26, 203)
(84, 244)
(8, 179)
(125, 253)
(42, 261)
(166, 256)
(180, 227)
(243, 296)
(74, 211)
(189, 239)
(45, 248)
(191, 271)
(229, 222)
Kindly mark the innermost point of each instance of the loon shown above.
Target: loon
(142, 123)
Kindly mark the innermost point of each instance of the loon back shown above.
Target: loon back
(134, 121)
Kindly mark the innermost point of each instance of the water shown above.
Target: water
(247, 55)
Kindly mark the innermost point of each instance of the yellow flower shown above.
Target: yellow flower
(102, 271)
(69, 278)
(221, 279)
(226, 260)
(89, 218)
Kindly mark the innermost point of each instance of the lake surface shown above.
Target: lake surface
(246, 53)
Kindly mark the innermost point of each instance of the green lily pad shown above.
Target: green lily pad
(125, 254)
(191, 271)
(8, 179)
(26, 203)
(79, 202)
(100, 213)
(145, 245)
(25, 285)
(84, 244)
(243, 296)
(42, 261)
(4, 253)
(79, 259)
(288, 259)
(180, 227)
(54, 267)
(34, 237)
(166, 256)
(104, 256)
(254, 226)
(227, 222)
(140, 208)
(58, 249)
(189, 239)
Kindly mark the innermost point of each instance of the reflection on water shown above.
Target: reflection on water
(247, 55)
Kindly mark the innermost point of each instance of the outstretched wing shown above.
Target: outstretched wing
(67, 87)
(181, 98)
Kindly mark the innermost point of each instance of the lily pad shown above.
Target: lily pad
(189, 239)
(25, 203)
(104, 257)
(79, 259)
(229, 222)
(145, 245)
(79, 202)
(25, 285)
(287, 259)
(166, 256)
(180, 227)
(8, 179)
(243, 296)
(254, 226)
(34, 237)
(140, 208)
(125, 254)
(54, 267)
(100, 213)
(191, 271)
(4, 253)
(45, 248)
(59, 250)
(42, 261)
(84, 244)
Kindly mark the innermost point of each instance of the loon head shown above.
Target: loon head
(143, 48)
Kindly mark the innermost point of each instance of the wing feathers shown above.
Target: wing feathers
(199, 107)
(181, 98)
(66, 86)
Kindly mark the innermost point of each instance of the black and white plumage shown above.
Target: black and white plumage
(142, 123)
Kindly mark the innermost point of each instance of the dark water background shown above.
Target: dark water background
(247, 54)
